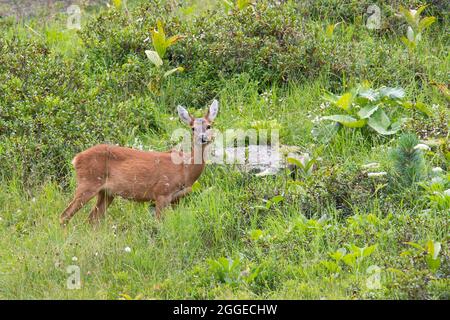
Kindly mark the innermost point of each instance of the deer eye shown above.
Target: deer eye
(193, 129)
(208, 127)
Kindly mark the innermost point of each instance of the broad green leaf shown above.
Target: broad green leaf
(380, 122)
(407, 14)
(422, 107)
(295, 162)
(349, 259)
(366, 112)
(410, 34)
(415, 245)
(330, 30)
(338, 254)
(419, 11)
(159, 39)
(277, 199)
(433, 248)
(426, 22)
(168, 73)
(369, 94)
(154, 57)
(331, 266)
(393, 93)
(346, 121)
(368, 251)
(433, 264)
(256, 234)
(172, 40)
(410, 44)
(345, 101)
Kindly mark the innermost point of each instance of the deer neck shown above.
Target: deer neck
(195, 165)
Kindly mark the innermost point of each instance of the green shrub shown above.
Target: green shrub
(409, 164)
(50, 110)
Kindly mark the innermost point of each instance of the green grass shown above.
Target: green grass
(281, 252)
(168, 259)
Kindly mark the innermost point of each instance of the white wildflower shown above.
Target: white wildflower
(422, 146)
(127, 249)
(376, 174)
(74, 259)
(437, 180)
(437, 170)
(447, 192)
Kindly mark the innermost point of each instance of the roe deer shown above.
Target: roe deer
(107, 171)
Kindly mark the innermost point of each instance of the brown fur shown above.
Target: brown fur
(107, 171)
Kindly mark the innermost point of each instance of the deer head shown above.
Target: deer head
(202, 135)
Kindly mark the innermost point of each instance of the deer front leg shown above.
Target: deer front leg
(161, 202)
(179, 194)
(164, 201)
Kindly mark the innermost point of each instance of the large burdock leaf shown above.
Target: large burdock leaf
(154, 57)
(393, 93)
(369, 94)
(381, 123)
(346, 121)
(345, 101)
(366, 112)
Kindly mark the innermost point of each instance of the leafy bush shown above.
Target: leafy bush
(365, 106)
(50, 110)
(272, 41)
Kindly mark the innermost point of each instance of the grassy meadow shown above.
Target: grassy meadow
(369, 221)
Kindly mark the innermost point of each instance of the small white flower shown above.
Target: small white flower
(447, 192)
(371, 165)
(127, 249)
(422, 146)
(74, 259)
(33, 199)
(437, 170)
(437, 180)
(376, 174)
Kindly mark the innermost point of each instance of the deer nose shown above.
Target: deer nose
(203, 138)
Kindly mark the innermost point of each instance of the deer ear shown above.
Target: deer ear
(213, 111)
(184, 115)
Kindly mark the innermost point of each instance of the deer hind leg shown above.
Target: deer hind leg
(103, 201)
(82, 196)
